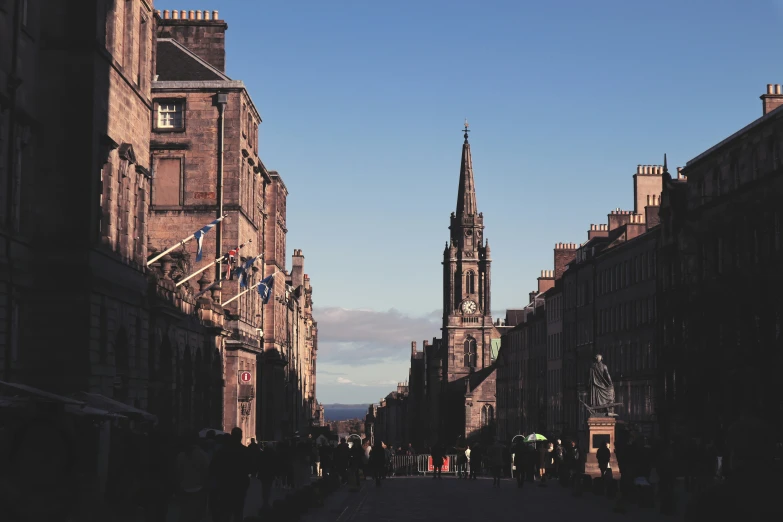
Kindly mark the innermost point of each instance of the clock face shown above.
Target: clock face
(469, 307)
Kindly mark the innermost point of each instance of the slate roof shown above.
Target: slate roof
(175, 62)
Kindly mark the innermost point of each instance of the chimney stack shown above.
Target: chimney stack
(564, 254)
(297, 268)
(772, 99)
(413, 347)
(200, 31)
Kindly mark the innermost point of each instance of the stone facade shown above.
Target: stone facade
(598, 299)
(719, 312)
(139, 177)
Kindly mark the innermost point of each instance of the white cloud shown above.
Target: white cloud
(360, 337)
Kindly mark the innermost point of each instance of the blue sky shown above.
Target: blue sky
(363, 103)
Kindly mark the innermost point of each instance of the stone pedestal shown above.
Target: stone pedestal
(600, 430)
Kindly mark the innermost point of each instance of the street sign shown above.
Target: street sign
(245, 377)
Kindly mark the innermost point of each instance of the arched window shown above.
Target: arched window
(470, 282)
(487, 415)
(470, 352)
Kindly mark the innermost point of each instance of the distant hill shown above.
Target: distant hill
(339, 412)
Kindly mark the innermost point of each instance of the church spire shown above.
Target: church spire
(466, 197)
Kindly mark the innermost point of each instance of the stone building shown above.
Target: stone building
(206, 160)
(453, 380)
(391, 422)
(153, 107)
(554, 356)
(417, 398)
(468, 330)
(625, 301)
(20, 139)
(86, 215)
(719, 281)
(206, 164)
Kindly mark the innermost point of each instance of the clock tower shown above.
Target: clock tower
(467, 316)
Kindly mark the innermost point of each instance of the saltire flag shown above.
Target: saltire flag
(265, 288)
(199, 235)
(242, 271)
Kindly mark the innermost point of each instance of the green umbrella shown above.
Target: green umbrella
(533, 437)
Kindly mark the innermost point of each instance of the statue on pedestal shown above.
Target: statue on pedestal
(601, 390)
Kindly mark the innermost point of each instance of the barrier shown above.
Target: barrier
(408, 465)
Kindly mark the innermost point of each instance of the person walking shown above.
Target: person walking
(438, 457)
(192, 480)
(603, 455)
(476, 454)
(462, 459)
(558, 458)
(495, 461)
(520, 462)
(377, 462)
(544, 458)
(231, 467)
(410, 457)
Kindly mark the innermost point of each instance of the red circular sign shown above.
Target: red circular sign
(245, 376)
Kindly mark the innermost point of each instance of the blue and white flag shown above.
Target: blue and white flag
(265, 288)
(243, 270)
(200, 236)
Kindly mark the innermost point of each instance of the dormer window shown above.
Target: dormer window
(170, 115)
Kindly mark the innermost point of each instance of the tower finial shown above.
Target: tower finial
(665, 167)
(466, 130)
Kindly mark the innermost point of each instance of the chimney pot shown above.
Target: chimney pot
(165, 14)
(183, 15)
(191, 15)
(206, 15)
(769, 89)
(638, 169)
(199, 15)
(175, 15)
(777, 88)
(214, 15)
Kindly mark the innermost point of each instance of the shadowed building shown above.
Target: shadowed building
(719, 279)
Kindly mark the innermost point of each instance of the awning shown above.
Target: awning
(13, 395)
(102, 402)
(35, 392)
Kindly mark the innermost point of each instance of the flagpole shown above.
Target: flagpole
(181, 243)
(197, 272)
(243, 292)
(246, 291)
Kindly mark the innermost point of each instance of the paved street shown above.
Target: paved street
(420, 499)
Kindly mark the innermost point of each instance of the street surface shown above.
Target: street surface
(403, 499)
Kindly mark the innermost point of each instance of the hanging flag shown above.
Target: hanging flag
(242, 271)
(230, 262)
(200, 236)
(265, 288)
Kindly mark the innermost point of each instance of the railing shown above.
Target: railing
(404, 465)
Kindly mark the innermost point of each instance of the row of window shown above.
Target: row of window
(735, 252)
(626, 316)
(624, 357)
(554, 308)
(627, 273)
(739, 170)
(170, 117)
(554, 348)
